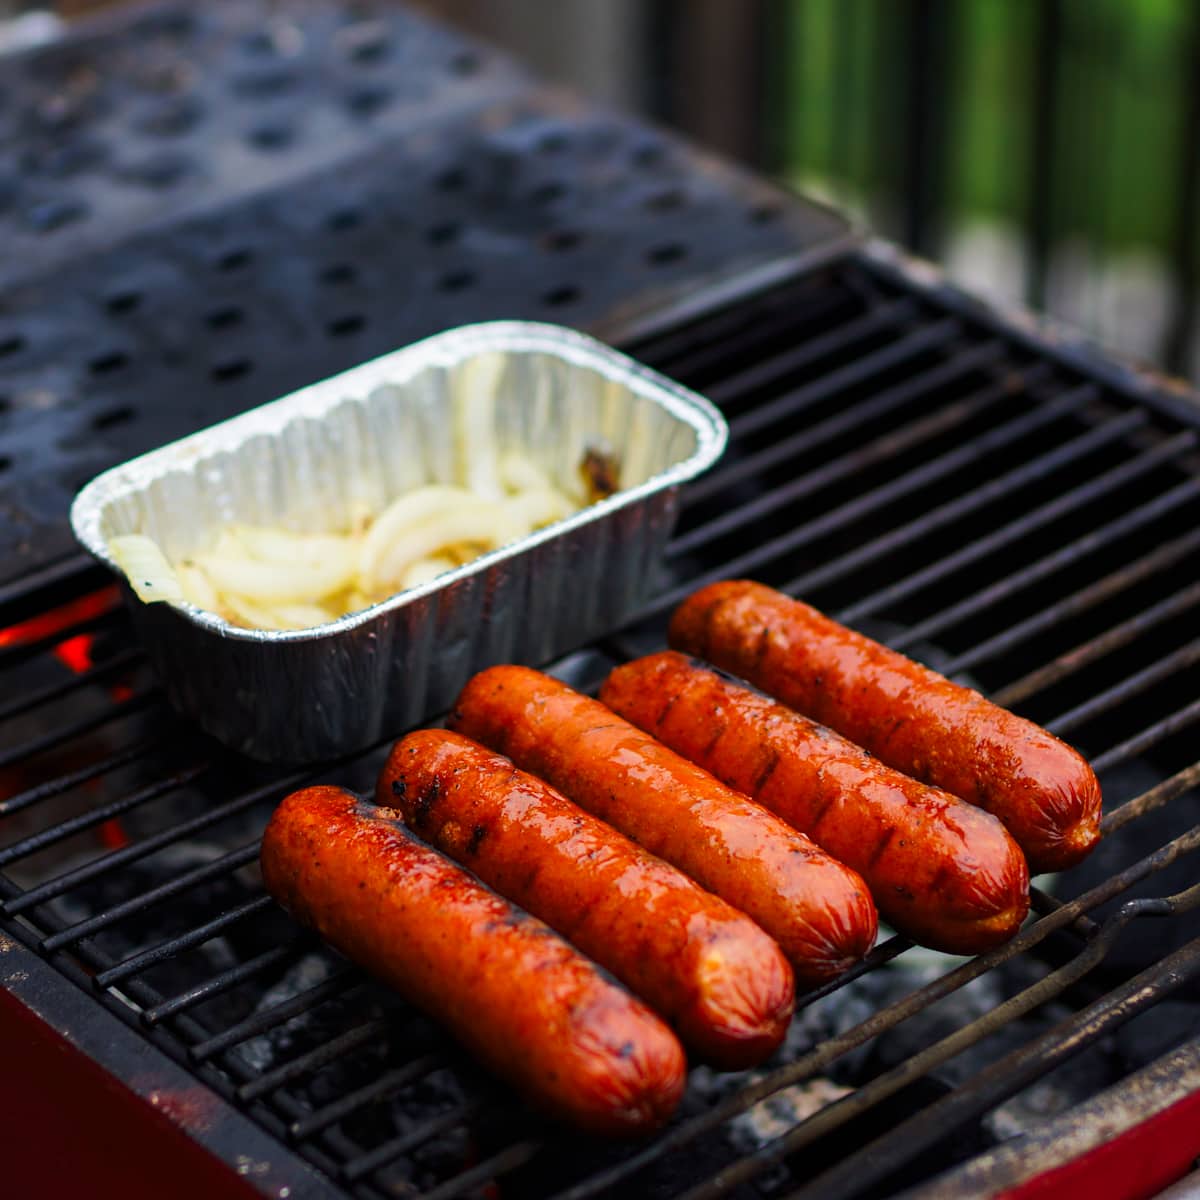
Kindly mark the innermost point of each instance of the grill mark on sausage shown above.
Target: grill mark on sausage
(882, 845)
(425, 802)
(763, 777)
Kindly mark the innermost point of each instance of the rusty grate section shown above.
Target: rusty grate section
(1015, 520)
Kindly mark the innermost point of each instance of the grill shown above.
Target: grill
(997, 502)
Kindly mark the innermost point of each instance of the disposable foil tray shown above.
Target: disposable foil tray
(311, 460)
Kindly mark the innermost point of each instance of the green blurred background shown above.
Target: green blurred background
(1044, 151)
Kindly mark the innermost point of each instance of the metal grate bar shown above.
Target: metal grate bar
(1015, 1070)
(1063, 505)
(1151, 736)
(1133, 685)
(118, 858)
(96, 816)
(73, 683)
(1043, 903)
(215, 985)
(269, 1018)
(805, 440)
(834, 1115)
(931, 337)
(1068, 555)
(185, 941)
(769, 371)
(886, 446)
(314, 1060)
(1121, 634)
(392, 1149)
(64, 783)
(1086, 598)
(829, 1051)
(382, 1088)
(1158, 796)
(516, 1155)
(180, 883)
(695, 354)
(912, 481)
(67, 731)
(877, 957)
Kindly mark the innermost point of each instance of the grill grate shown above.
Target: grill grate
(903, 464)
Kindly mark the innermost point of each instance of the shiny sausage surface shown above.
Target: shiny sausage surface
(943, 872)
(720, 980)
(818, 910)
(908, 716)
(527, 1004)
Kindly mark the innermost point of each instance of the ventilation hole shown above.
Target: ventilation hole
(157, 171)
(257, 85)
(6, 462)
(10, 345)
(369, 48)
(272, 137)
(234, 260)
(453, 179)
(553, 143)
(344, 326)
(547, 193)
(466, 62)
(114, 416)
(234, 368)
(447, 231)
(666, 201)
(344, 218)
(224, 318)
(662, 256)
(339, 273)
(169, 118)
(764, 214)
(649, 154)
(5, 404)
(562, 239)
(106, 363)
(123, 302)
(261, 41)
(53, 214)
(567, 294)
(456, 281)
(366, 101)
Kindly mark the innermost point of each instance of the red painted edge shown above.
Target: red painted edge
(68, 1128)
(1135, 1165)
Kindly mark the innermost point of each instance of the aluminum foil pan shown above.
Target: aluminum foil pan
(310, 460)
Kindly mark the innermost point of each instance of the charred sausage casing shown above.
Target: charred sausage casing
(908, 716)
(718, 978)
(526, 1003)
(943, 872)
(818, 910)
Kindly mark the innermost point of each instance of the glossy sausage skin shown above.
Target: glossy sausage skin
(721, 981)
(943, 872)
(528, 1005)
(908, 716)
(818, 911)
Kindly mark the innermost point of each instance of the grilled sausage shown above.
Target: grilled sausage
(817, 910)
(943, 872)
(908, 716)
(531, 1007)
(721, 981)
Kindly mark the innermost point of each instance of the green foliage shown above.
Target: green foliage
(1122, 83)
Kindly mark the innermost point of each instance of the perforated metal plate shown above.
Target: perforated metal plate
(480, 202)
